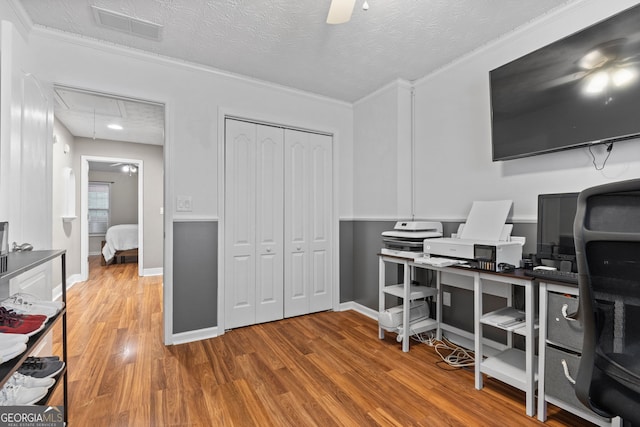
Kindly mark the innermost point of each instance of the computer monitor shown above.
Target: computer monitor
(556, 213)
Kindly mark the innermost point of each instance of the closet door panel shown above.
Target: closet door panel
(320, 221)
(297, 196)
(240, 229)
(243, 278)
(269, 224)
(307, 222)
(296, 295)
(296, 281)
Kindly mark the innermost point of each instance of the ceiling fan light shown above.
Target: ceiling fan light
(592, 59)
(623, 76)
(597, 83)
(340, 11)
(125, 168)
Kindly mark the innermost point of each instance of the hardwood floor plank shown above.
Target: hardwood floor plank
(324, 369)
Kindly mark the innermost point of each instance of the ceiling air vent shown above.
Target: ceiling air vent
(127, 24)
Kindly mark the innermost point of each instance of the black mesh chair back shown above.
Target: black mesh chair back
(607, 236)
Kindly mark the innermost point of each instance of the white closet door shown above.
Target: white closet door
(269, 224)
(307, 220)
(253, 223)
(240, 223)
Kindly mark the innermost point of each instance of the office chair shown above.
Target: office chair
(607, 238)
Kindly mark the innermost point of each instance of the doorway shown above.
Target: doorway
(111, 130)
(107, 173)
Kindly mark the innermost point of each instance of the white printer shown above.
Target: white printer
(407, 237)
(484, 241)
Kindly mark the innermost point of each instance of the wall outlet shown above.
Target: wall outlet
(183, 204)
(446, 299)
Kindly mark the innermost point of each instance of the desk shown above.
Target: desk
(512, 366)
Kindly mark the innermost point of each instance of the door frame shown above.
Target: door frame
(261, 118)
(84, 210)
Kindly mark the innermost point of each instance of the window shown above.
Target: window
(98, 204)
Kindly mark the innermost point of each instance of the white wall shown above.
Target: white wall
(192, 97)
(66, 235)
(453, 131)
(382, 153)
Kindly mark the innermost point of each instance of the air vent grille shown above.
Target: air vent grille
(127, 24)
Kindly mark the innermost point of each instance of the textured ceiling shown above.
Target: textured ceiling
(288, 41)
(87, 114)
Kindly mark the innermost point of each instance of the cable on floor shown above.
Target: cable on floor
(451, 354)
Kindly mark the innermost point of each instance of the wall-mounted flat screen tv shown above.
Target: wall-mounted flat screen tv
(580, 90)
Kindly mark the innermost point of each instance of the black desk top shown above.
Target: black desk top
(19, 262)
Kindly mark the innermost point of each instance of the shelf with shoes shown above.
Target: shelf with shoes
(21, 313)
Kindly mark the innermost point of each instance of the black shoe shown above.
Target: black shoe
(41, 367)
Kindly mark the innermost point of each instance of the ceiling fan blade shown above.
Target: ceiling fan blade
(573, 77)
(340, 11)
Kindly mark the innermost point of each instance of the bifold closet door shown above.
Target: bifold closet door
(253, 223)
(307, 222)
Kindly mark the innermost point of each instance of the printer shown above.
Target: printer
(484, 241)
(407, 237)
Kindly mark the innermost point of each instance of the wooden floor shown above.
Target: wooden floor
(323, 369)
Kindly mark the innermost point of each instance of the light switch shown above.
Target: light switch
(183, 204)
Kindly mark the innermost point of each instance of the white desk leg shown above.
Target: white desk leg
(405, 307)
(381, 297)
(542, 350)
(510, 304)
(530, 350)
(477, 327)
(438, 305)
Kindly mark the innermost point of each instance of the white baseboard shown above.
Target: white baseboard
(190, 336)
(71, 280)
(352, 305)
(203, 334)
(153, 271)
(95, 253)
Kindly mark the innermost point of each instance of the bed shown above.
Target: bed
(120, 241)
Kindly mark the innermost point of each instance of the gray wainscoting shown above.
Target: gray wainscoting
(195, 275)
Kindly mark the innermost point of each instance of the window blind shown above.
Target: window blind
(98, 206)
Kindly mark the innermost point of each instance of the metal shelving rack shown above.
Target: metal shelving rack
(21, 262)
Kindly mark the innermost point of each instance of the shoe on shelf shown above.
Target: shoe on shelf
(45, 358)
(39, 367)
(11, 395)
(22, 306)
(24, 297)
(18, 379)
(13, 323)
(7, 339)
(8, 352)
